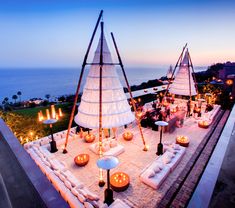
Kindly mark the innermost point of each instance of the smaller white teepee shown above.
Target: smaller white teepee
(170, 72)
(181, 84)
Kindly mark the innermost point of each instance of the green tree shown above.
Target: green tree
(47, 96)
(19, 93)
(6, 99)
(14, 97)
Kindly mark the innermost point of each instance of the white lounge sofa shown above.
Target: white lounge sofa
(155, 173)
(70, 188)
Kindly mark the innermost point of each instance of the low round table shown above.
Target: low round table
(81, 159)
(127, 136)
(203, 124)
(182, 141)
(119, 181)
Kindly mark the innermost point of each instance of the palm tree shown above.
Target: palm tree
(14, 97)
(47, 96)
(19, 94)
(6, 99)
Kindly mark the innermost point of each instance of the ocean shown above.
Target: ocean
(36, 83)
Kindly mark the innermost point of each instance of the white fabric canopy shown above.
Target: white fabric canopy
(180, 85)
(115, 108)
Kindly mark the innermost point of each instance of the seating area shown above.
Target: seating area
(79, 185)
(155, 173)
(70, 188)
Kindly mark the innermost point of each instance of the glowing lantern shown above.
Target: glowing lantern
(119, 181)
(81, 159)
(203, 124)
(53, 113)
(127, 136)
(60, 112)
(89, 138)
(182, 140)
(48, 114)
(229, 82)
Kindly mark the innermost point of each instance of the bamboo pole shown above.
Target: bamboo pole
(80, 81)
(194, 78)
(129, 90)
(101, 178)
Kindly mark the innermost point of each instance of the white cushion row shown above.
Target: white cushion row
(70, 188)
(155, 173)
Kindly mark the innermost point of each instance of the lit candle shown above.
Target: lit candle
(39, 117)
(48, 114)
(53, 114)
(60, 112)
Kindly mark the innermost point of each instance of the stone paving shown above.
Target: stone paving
(133, 161)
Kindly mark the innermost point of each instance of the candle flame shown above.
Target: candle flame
(48, 114)
(60, 112)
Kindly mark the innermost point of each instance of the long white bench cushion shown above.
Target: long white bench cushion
(153, 179)
(110, 147)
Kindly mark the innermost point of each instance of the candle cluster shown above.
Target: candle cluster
(81, 159)
(120, 178)
(182, 139)
(52, 115)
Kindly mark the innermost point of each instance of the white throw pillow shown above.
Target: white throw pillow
(150, 173)
(156, 168)
(91, 195)
(74, 192)
(88, 205)
(105, 147)
(81, 198)
(160, 165)
(113, 143)
(68, 184)
(62, 178)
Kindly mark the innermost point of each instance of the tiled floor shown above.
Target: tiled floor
(133, 161)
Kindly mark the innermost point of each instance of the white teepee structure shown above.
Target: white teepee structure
(170, 72)
(115, 108)
(184, 83)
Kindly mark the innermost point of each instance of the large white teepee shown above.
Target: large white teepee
(115, 108)
(180, 85)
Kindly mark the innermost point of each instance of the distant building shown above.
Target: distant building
(227, 74)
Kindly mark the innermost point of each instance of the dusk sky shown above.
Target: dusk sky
(149, 33)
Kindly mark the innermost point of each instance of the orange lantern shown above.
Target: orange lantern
(229, 82)
(127, 136)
